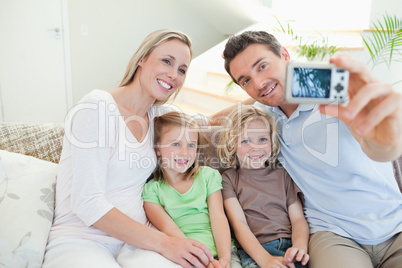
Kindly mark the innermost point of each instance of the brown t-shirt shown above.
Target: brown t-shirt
(265, 195)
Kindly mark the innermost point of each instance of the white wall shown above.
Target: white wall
(212, 59)
(393, 74)
(115, 29)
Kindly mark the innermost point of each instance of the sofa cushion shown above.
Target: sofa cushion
(26, 208)
(40, 140)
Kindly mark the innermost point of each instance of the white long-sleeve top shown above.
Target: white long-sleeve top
(102, 166)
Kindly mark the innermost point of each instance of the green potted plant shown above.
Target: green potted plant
(313, 48)
(385, 42)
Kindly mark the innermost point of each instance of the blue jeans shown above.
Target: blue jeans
(276, 248)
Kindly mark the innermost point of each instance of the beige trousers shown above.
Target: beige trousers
(329, 250)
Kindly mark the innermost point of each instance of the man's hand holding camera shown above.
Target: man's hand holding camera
(374, 111)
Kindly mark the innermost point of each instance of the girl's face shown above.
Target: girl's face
(164, 70)
(254, 145)
(177, 149)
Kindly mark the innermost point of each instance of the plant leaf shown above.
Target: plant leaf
(13, 196)
(385, 43)
(45, 214)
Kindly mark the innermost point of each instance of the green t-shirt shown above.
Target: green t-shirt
(189, 210)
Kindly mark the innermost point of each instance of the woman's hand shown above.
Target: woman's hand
(187, 252)
(374, 111)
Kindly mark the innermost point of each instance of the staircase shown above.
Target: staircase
(204, 90)
(209, 97)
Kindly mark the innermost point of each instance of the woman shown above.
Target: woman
(107, 156)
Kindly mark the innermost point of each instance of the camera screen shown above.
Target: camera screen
(311, 83)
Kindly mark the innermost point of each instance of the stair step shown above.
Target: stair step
(234, 95)
(205, 100)
(217, 79)
(191, 108)
(215, 73)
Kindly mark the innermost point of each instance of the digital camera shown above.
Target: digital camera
(316, 83)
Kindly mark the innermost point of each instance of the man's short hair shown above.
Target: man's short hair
(238, 43)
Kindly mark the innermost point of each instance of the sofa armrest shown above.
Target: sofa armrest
(397, 164)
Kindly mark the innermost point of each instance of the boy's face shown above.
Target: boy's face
(261, 73)
(254, 145)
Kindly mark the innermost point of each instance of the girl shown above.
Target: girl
(99, 217)
(184, 199)
(260, 199)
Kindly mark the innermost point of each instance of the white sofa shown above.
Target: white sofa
(29, 154)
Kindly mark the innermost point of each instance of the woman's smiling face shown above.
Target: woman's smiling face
(164, 70)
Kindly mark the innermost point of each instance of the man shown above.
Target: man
(352, 201)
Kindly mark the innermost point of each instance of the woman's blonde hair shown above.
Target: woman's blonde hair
(150, 42)
(177, 119)
(235, 125)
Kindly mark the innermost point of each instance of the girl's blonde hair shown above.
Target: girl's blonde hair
(177, 119)
(233, 128)
(150, 42)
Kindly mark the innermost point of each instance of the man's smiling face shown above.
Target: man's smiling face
(261, 73)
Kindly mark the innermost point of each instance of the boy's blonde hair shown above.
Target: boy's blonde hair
(235, 125)
(177, 119)
(150, 42)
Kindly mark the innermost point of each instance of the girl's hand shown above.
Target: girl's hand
(294, 254)
(214, 264)
(225, 263)
(222, 263)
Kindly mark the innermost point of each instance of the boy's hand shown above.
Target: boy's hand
(276, 262)
(294, 254)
